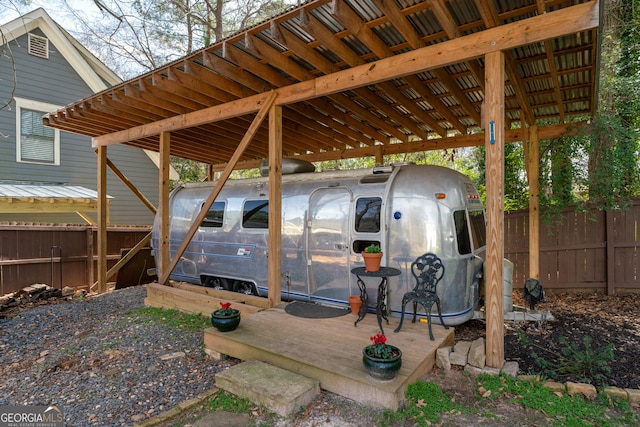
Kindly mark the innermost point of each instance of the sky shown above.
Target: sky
(9, 10)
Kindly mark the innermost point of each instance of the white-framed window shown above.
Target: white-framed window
(36, 143)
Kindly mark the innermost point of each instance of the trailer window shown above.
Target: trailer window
(478, 229)
(368, 214)
(215, 216)
(462, 232)
(255, 214)
(360, 245)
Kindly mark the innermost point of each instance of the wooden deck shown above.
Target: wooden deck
(330, 351)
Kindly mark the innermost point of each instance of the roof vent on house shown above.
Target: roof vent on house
(38, 46)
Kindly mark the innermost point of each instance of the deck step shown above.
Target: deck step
(277, 389)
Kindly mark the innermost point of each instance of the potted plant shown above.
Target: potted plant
(225, 319)
(381, 360)
(372, 255)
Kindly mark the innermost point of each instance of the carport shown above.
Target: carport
(344, 79)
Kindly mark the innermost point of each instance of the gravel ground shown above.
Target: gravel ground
(102, 365)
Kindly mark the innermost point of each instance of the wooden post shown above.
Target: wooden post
(90, 268)
(163, 206)
(533, 174)
(275, 205)
(494, 144)
(379, 156)
(266, 104)
(102, 219)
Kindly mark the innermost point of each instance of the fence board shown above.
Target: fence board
(574, 250)
(28, 254)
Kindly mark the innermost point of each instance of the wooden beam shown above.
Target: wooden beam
(569, 20)
(46, 205)
(131, 186)
(125, 259)
(477, 139)
(266, 104)
(216, 113)
(163, 208)
(494, 144)
(86, 218)
(102, 219)
(275, 206)
(533, 176)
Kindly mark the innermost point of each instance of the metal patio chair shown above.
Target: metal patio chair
(427, 270)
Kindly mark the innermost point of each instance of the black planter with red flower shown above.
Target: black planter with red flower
(382, 361)
(225, 319)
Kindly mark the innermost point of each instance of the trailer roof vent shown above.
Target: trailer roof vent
(289, 166)
(374, 179)
(382, 169)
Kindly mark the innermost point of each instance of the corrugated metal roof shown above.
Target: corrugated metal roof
(550, 79)
(17, 189)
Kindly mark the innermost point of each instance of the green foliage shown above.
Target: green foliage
(425, 403)
(579, 362)
(189, 170)
(561, 408)
(170, 317)
(224, 401)
(585, 363)
(373, 249)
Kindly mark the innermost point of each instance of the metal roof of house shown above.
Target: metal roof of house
(31, 190)
(549, 80)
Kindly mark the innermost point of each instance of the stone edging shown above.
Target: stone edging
(178, 409)
(471, 356)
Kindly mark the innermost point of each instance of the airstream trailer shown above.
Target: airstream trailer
(328, 218)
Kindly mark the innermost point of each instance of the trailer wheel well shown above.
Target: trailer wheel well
(216, 283)
(244, 287)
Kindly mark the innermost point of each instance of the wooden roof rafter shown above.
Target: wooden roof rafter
(551, 78)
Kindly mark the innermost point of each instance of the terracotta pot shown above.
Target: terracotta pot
(372, 261)
(355, 302)
(225, 323)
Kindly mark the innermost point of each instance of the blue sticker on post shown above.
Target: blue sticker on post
(492, 132)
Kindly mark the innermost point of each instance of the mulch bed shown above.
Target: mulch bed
(545, 348)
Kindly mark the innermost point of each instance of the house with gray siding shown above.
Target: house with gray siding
(43, 68)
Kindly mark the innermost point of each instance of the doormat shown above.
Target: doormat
(314, 311)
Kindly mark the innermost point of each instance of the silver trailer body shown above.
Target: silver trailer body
(328, 218)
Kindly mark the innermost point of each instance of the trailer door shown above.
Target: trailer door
(328, 244)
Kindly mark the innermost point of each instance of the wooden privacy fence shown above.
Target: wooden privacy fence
(589, 250)
(593, 251)
(59, 255)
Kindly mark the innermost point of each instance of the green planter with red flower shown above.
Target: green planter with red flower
(225, 319)
(382, 361)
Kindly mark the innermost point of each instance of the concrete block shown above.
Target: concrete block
(277, 389)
